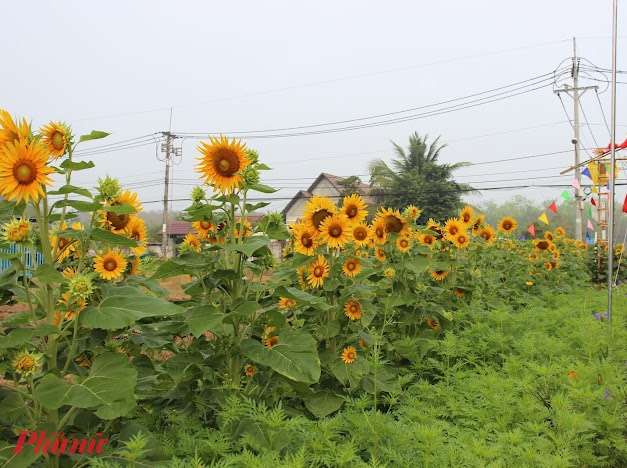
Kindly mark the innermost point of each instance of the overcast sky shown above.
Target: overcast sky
(119, 66)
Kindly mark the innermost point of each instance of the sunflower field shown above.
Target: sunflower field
(374, 341)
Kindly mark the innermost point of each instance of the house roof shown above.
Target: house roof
(181, 228)
(333, 179)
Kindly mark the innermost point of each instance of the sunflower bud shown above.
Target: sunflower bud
(81, 286)
(109, 189)
(197, 195)
(16, 231)
(251, 175)
(252, 155)
(27, 363)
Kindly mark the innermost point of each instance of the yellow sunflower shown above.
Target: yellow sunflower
(73, 306)
(136, 265)
(378, 232)
(117, 223)
(541, 244)
(335, 231)
(192, 242)
(16, 230)
(222, 162)
(351, 267)
(487, 232)
(433, 226)
(136, 229)
(507, 225)
(548, 266)
(459, 292)
(393, 220)
(9, 131)
(354, 208)
(286, 303)
(361, 233)
(476, 224)
(318, 271)
(533, 257)
(27, 363)
(466, 216)
(349, 355)
(23, 170)
(65, 245)
(317, 209)
(403, 244)
(69, 273)
(413, 212)
(548, 235)
(353, 310)
(380, 254)
(305, 239)
(246, 226)
(302, 278)
(452, 227)
(389, 273)
(461, 240)
(203, 228)
(249, 370)
(55, 136)
(555, 255)
(560, 232)
(619, 249)
(110, 265)
(439, 275)
(427, 239)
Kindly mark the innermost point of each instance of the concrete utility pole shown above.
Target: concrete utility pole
(167, 149)
(575, 89)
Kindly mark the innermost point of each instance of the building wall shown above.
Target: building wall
(326, 189)
(296, 211)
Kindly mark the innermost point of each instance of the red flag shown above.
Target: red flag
(625, 205)
(593, 202)
(532, 230)
(553, 207)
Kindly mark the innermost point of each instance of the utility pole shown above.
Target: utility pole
(167, 149)
(575, 89)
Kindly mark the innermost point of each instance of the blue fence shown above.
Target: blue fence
(33, 258)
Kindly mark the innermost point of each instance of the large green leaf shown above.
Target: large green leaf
(77, 165)
(109, 388)
(203, 318)
(72, 189)
(94, 135)
(86, 206)
(302, 297)
(47, 274)
(249, 246)
(19, 336)
(346, 373)
(385, 381)
(186, 263)
(123, 305)
(262, 188)
(295, 355)
(17, 460)
(324, 403)
(109, 237)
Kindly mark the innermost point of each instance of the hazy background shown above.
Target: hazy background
(119, 66)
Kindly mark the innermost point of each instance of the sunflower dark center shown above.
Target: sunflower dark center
(57, 141)
(320, 216)
(26, 363)
(24, 172)
(466, 218)
(351, 266)
(116, 221)
(63, 242)
(335, 231)
(380, 232)
(543, 245)
(226, 163)
(306, 241)
(439, 272)
(360, 234)
(110, 265)
(453, 230)
(205, 224)
(461, 239)
(393, 224)
(351, 212)
(507, 225)
(135, 235)
(354, 308)
(485, 235)
(318, 271)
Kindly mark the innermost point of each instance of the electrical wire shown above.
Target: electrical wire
(585, 117)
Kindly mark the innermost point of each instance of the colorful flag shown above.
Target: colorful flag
(590, 226)
(586, 172)
(522, 237)
(566, 196)
(575, 183)
(553, 207)
(594, 203)
(543, 218)
(590, 212)
(532, 230)
(625, 205)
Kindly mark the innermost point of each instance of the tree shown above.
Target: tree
(417, 178)
(350, 185)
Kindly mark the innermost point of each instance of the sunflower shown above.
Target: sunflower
(461, 240)
(335, 231)
(351, 267)
(413, 212)
(452, 227)
(317, 209)
(379, 234)
(393, 220)
(541, 244)
(203, 228)
(354, 208)
(389, 273)
(507, 225)
(487, 232)
(353, 310)
(55, 136)
(246, 226)
(555, 255)
(23, 170)
(533, 257)
(286, 303)
(439, 275)
(27, 363)
(305, 239)
(222, 162)
(302, 278)
(318, 271)
(117, 223)
(548, 266)
(433, 324)
(69, 273)
(476, 224)
(361, 233)
(619, 248)
(16, 231)
(9, 131)
(136, 229)
(560, 232)
(136, 265)
(65, 245)
(272, 341)
(466, 216)
(427, 239)
(555, 265)
(110, 265)
(459, 292)
(349, 355)
(548, 235)
(73, 306)
(380, 254)
(433, 226)
(192, 242)
(403, 244)
(249, 370)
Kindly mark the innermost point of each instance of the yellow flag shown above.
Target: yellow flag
(544, 219)
(594, 189)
